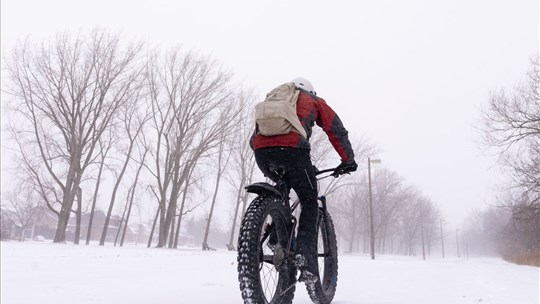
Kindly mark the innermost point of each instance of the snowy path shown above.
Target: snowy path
(64, 274)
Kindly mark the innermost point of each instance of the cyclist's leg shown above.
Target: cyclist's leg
(303, 180)
(301, 177)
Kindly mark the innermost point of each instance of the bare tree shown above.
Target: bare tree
(243, 162)
(105, 145)
(348, 194)
(429, 222)
(132, 191)
(350, 213)
(30, 173)
(188, 95)
(518, 239)
(222, 161)
(389, 193)
(184, 209)
(483, 228)
(401, 215)
(409, 219)
(133, 122)
(67, 93)
(22, 207)
(511, 127)
(245, 178)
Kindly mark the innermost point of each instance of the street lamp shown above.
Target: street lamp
(372, 230)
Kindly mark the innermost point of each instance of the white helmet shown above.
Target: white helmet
(304, 84)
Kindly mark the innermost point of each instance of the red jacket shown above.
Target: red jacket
(310, 110)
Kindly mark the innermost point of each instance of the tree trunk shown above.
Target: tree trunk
(119, 227)
(153, 228)
(72, 183)
(177, 232)
(113, 196)
(21, 236)
(127, 221)
(132, 195)
(207, 231)
(177, 235)
(171, 214)
(161, 228)
(171, 232)
(92, 210)
(221, 167)
(78, 217)
(351, 243)
(230, 246)
(122, 220)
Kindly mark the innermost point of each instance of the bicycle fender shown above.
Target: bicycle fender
(262, 189)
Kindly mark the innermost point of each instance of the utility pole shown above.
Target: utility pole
(422, 228)
(442, 239)
(371, 227)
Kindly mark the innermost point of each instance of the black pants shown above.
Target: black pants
(299, 176)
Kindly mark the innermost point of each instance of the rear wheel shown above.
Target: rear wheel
(324, 289)
(265, 272)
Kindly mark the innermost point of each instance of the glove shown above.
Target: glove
(345, 167)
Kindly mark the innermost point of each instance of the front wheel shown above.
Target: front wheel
(323, 291)
(265, 273)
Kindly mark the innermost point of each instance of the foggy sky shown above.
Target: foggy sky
(409, 75)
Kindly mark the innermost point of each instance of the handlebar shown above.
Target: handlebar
(333, 170)
(319, 172)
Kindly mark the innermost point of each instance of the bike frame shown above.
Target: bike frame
(283, 190)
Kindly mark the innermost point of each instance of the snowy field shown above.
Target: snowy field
(44, 273)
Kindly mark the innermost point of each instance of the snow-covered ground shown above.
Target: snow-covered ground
(43, 273)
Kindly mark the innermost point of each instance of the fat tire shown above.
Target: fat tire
(250, 252)
(323, 291)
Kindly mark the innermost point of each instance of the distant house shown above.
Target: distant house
(11, 230)
(7, 228)
(138, 235)
(45, 228)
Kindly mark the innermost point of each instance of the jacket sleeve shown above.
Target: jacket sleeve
(329, 121)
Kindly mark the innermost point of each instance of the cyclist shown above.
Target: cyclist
(291, 152)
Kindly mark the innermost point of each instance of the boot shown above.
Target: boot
(306, 276)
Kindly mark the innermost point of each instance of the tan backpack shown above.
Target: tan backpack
(276, 115)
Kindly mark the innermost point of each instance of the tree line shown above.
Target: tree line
(171, 126)
(510, 129)
(406, 222)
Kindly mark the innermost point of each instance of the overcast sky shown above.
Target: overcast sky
(410, 76)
